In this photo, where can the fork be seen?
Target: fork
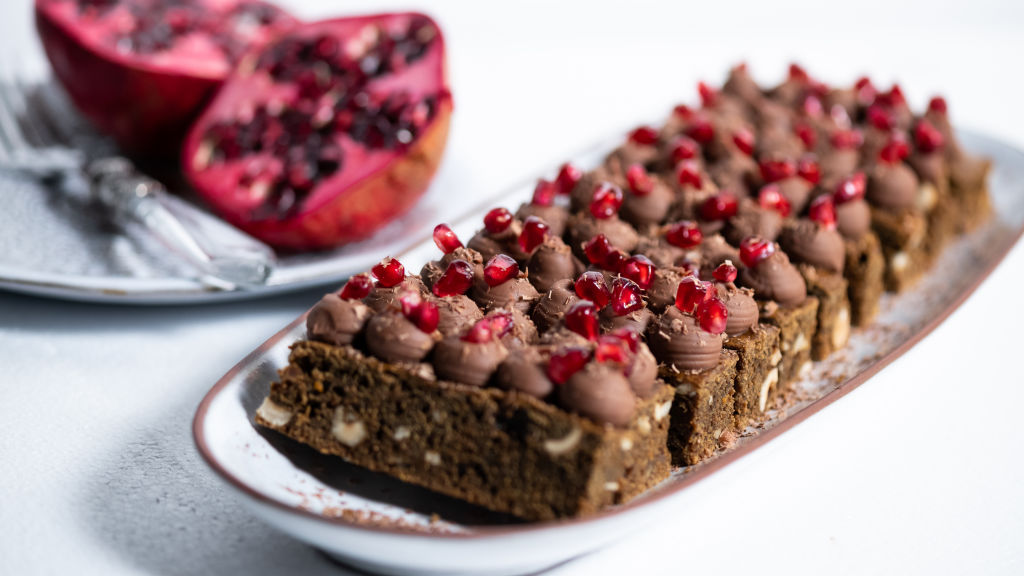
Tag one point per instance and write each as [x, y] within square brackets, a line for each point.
[36, 138]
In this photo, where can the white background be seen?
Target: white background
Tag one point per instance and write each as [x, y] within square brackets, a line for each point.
[917, 471]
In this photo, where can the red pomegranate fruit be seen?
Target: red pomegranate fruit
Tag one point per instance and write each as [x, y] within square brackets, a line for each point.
[141, 70]
[326, 133]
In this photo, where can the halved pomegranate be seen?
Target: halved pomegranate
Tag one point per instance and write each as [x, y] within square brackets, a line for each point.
[141, 70]
[326, 133]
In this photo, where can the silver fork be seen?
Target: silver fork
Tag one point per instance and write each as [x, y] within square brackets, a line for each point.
[35, 138]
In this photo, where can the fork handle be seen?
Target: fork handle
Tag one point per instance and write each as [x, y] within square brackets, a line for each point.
[225, 257]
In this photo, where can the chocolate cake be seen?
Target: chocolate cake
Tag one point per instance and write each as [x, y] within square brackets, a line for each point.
[639, 314]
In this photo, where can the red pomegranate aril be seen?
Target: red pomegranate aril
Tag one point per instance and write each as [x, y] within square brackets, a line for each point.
[597, 249]
[565, 362]
[938, 104]
[744, 140]
[479, 333]
[628, 336]
[708, 95]
[457, 278]
[501, 322]
[712, 315]
[866, 92]
[420, 312]
[812, 106]
[568, 177]
[806, 134]
[500, 269]
[644, 135]
[389, 272]
[691, 292]
[823, 211]
[701, 130]
[611, 350]
[357, 287]
[850, 188]
[614, 260]
[807, 168]
[684, 234]
[626, 296]
[497, 220]
[534, 232]
[879, 117]
[770, 198]
[682, 111]
[605, 201]
[591, 286]
[777, 169]
[927, 138]
[798, 74]
[725, 272]
[582, 319]
[446, 239]
[544, 193]
[754, 249]
[640, 182]
[721, 206]
[688, 174]
[684, 148]
[895, 150]
[639, 269]
[850, 139]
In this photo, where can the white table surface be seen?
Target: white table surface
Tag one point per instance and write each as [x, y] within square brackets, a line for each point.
[917, 471]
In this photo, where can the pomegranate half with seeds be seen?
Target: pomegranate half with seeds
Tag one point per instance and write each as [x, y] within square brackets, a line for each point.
[327, 132]
[141, 70]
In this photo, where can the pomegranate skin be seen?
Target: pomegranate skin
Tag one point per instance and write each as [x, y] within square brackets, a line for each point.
[353, 203]
[145, 107]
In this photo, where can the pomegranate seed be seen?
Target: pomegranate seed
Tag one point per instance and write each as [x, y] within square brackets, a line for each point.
[798, 74]
[927, 138]
[613, 262]
[500, 269]
[684, 234]
[639, 269]
[895, 150]
[682, 111]
[866, 91]
[611, 350]
[896, 97]
[501, 322]
[812, 106]
[937, 104]
[640, 182]
[544, 193]
[420, 312]
[770, 198]
[879, 117]
[533, 234]
[840, 117]
[565, 362]
[582, 319]
[591, 286]
[497, 220]
[721, 206]
[850, 189]
[568, 177]
[457, 278]
[807, 168]
[701, 130]
[708, 95]
[357, 287]
[684, 148]
[775, 170]
[725, 272]
[626, 296]
[446, 239]
[627, 336]
[806, 134]
[688, 174]
[606, 200]
[744, 140]
[691, 292]
[601, 253]
[712, 315]
[388, 272]
[847, 139]
[644, 135]
[754, 249]
[823, 211]
[479, 333]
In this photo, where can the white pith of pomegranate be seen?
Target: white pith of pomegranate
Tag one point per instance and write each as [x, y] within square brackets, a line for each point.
[142, 69]
[326, 133]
